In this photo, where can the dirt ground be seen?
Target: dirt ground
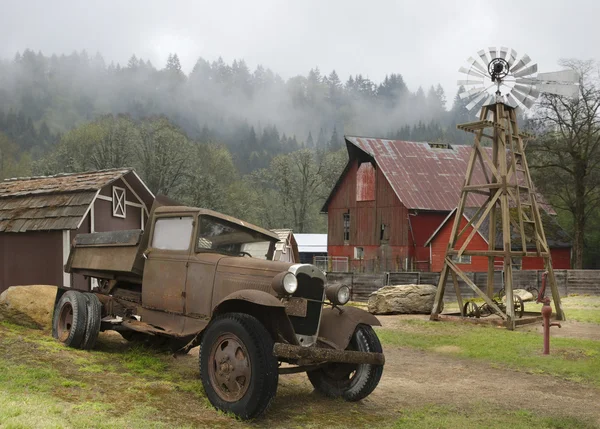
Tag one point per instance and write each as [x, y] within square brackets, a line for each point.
[413, 378]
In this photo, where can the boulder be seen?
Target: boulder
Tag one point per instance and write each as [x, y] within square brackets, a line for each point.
[524, 294]
[30, 306]
[403, 299]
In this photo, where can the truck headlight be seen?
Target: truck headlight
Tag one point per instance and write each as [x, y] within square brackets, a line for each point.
[338, 294]
[285, 283]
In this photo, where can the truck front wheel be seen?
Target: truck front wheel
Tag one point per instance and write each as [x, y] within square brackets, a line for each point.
[351, 382]
[237, 366]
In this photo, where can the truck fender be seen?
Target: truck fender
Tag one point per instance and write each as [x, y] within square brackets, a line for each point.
[339, 326]
[269, 310]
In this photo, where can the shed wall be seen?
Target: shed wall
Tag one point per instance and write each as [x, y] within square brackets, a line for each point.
[31, 258]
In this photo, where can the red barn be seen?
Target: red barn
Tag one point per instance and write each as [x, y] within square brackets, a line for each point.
[558, 241]
[390, 199]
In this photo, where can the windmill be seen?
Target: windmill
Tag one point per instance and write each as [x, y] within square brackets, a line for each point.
[500, 82]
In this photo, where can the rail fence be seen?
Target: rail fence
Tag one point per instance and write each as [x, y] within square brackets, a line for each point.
[582, 282]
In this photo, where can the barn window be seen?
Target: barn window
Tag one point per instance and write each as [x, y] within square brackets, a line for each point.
[462, 259]
[173, 233]
[346, 226]
[359, 253]
[118, 202]
[365, 182]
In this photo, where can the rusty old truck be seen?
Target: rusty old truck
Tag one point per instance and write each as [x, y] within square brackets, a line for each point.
[196, 277]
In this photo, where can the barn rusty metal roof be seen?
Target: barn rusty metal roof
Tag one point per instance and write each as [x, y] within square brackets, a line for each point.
[424, 176]
[46, 203]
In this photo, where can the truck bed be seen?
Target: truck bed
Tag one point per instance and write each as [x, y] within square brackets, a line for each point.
[107, 255]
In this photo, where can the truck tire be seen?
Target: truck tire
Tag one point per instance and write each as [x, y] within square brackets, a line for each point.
[351, 382]
[92, 325]
[237, 367]
[69, 320]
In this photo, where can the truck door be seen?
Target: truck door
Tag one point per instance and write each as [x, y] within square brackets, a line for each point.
[165, 270]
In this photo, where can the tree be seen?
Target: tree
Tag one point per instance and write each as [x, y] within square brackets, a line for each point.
[173, 63]
[295, 185]
[566, 156]
[163, 155]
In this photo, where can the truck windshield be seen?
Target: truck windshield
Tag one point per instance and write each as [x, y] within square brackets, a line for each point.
[219, 235]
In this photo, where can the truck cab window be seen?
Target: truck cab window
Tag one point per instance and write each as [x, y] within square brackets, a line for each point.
[173, 233]
[223, 236]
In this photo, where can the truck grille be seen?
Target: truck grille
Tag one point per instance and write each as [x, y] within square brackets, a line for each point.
[310, 288]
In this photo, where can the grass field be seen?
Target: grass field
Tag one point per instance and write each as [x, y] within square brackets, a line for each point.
[46, 385]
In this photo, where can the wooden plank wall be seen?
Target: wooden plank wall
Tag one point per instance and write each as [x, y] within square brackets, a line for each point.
[582, 282]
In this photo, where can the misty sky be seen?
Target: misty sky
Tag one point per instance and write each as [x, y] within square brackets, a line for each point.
[425, 41]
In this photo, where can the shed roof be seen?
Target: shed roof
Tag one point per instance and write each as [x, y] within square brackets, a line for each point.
[56, 202]
[311, 243]
[555, 235]
[425, 176]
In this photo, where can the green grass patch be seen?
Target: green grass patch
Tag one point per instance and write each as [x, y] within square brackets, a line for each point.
[437, 417]
[573, 359]
[584, 315]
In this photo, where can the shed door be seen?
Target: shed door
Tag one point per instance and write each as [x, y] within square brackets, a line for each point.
[165, 270]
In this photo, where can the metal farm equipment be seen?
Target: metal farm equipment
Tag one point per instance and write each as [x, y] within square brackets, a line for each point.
[471, 309]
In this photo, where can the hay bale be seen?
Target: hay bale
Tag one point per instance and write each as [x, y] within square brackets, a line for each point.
[30, 306]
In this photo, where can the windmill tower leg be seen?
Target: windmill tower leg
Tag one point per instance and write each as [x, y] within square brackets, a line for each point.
[511, 202]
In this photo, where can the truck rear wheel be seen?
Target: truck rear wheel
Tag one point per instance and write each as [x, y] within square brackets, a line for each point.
[237, 366]
[69, 320]
[349, 381]
[92, 325]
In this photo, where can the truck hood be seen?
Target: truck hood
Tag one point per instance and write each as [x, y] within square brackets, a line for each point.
[239, 273]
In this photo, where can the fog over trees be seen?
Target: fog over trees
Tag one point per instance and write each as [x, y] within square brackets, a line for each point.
[251, 144]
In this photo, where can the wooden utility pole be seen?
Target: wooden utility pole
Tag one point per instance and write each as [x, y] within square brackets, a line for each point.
[510, 203]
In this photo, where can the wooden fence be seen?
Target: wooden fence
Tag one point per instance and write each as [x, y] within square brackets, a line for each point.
[582, 282]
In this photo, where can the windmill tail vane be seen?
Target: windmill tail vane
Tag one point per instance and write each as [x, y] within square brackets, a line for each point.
[501, 75]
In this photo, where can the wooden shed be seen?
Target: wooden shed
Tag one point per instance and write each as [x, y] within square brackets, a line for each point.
[40, 215]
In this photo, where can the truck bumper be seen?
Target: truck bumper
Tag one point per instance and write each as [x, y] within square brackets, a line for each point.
[321, 354]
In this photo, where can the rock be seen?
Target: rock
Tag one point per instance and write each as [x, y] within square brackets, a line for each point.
[30, 306]
[403, 299]
[525, 295]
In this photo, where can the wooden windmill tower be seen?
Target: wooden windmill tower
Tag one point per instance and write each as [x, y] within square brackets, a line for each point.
[502, 189]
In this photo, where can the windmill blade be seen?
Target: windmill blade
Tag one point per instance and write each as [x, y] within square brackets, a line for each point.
[484, 56]
[560, 76]
[522, 63]
[469, 82]
[476, 100]
[503, 52]
[493, 53]
[526, 71]
[527, 90]
[512, 58]
[471, 92]
[522, 98]
[527, 80]
[475, 63]
[470, 72]
[488, 100]
[558, 89]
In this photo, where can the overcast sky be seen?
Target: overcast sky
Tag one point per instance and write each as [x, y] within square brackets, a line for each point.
[425, 41]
